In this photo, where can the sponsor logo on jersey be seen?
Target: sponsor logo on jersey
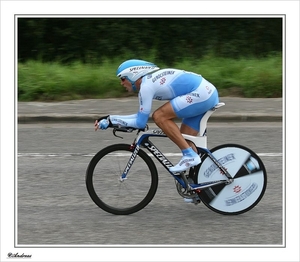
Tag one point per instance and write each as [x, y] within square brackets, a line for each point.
[195, 95]
[208, 89]
[162, 81]
[189, 99]
[168, 72]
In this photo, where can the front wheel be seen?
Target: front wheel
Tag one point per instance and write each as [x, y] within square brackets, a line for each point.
[116, 196]
[248, 187]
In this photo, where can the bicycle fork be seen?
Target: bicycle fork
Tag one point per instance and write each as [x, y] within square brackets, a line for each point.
[130, 162]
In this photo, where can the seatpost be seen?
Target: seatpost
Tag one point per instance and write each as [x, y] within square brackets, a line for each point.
[203, 122]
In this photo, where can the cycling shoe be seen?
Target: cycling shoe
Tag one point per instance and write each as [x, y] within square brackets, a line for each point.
[185, 163]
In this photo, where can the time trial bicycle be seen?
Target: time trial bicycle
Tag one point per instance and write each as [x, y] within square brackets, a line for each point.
[123, 179]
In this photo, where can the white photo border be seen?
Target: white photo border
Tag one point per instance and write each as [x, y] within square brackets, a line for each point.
[11, 9]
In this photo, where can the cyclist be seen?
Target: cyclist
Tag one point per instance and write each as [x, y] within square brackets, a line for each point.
[189, 97]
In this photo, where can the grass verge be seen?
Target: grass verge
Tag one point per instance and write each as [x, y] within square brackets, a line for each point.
[243, 77]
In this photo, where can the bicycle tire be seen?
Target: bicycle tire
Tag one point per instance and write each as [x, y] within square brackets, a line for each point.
[121, 197]
[248, 186]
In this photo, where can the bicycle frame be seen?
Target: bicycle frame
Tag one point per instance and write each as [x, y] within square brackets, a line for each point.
[200, 142]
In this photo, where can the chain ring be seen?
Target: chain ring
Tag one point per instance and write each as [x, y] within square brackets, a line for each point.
[183, 191]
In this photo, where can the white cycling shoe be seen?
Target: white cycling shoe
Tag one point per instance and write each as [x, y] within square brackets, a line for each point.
[185, 163]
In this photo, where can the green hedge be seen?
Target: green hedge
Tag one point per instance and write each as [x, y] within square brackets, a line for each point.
[233, 77]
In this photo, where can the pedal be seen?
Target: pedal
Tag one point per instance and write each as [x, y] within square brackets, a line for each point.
[195, 200]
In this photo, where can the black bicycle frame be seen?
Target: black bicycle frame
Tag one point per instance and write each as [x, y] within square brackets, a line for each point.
[166, 163]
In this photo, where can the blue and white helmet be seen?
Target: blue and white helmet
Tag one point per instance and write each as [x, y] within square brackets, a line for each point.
[134, 69]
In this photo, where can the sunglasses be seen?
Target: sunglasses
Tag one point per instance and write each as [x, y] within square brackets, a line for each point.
[123, 79]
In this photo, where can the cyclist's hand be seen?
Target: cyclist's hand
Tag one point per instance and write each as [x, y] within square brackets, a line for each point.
[102, 123]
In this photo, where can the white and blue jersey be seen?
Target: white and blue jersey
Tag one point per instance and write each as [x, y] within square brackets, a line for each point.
[191, 96]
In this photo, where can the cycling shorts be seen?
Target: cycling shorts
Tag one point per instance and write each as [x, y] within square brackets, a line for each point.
[192, 106]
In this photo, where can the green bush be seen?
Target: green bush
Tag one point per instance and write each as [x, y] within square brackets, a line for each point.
[248, 77]
[245, 77]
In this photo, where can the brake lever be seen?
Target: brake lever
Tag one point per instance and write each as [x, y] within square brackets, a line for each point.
[120, 129]
[114, 132]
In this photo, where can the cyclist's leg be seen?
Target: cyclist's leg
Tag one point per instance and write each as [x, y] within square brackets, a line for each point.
[186, 106]
[186, 129]
[199, 103]
[192, 107]
[163, 117]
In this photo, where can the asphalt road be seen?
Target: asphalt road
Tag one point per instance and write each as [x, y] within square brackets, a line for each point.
[54, 207]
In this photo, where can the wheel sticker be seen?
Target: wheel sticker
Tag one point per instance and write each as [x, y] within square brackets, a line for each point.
[237, 189]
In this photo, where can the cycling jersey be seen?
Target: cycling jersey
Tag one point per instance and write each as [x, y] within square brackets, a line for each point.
[190, 94]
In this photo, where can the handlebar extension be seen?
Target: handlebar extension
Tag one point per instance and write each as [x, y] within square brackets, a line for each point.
[126, 129]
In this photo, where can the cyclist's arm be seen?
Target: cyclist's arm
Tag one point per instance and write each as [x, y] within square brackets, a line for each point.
[140, 119]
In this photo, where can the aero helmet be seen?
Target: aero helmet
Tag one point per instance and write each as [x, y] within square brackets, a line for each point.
[134, 69]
